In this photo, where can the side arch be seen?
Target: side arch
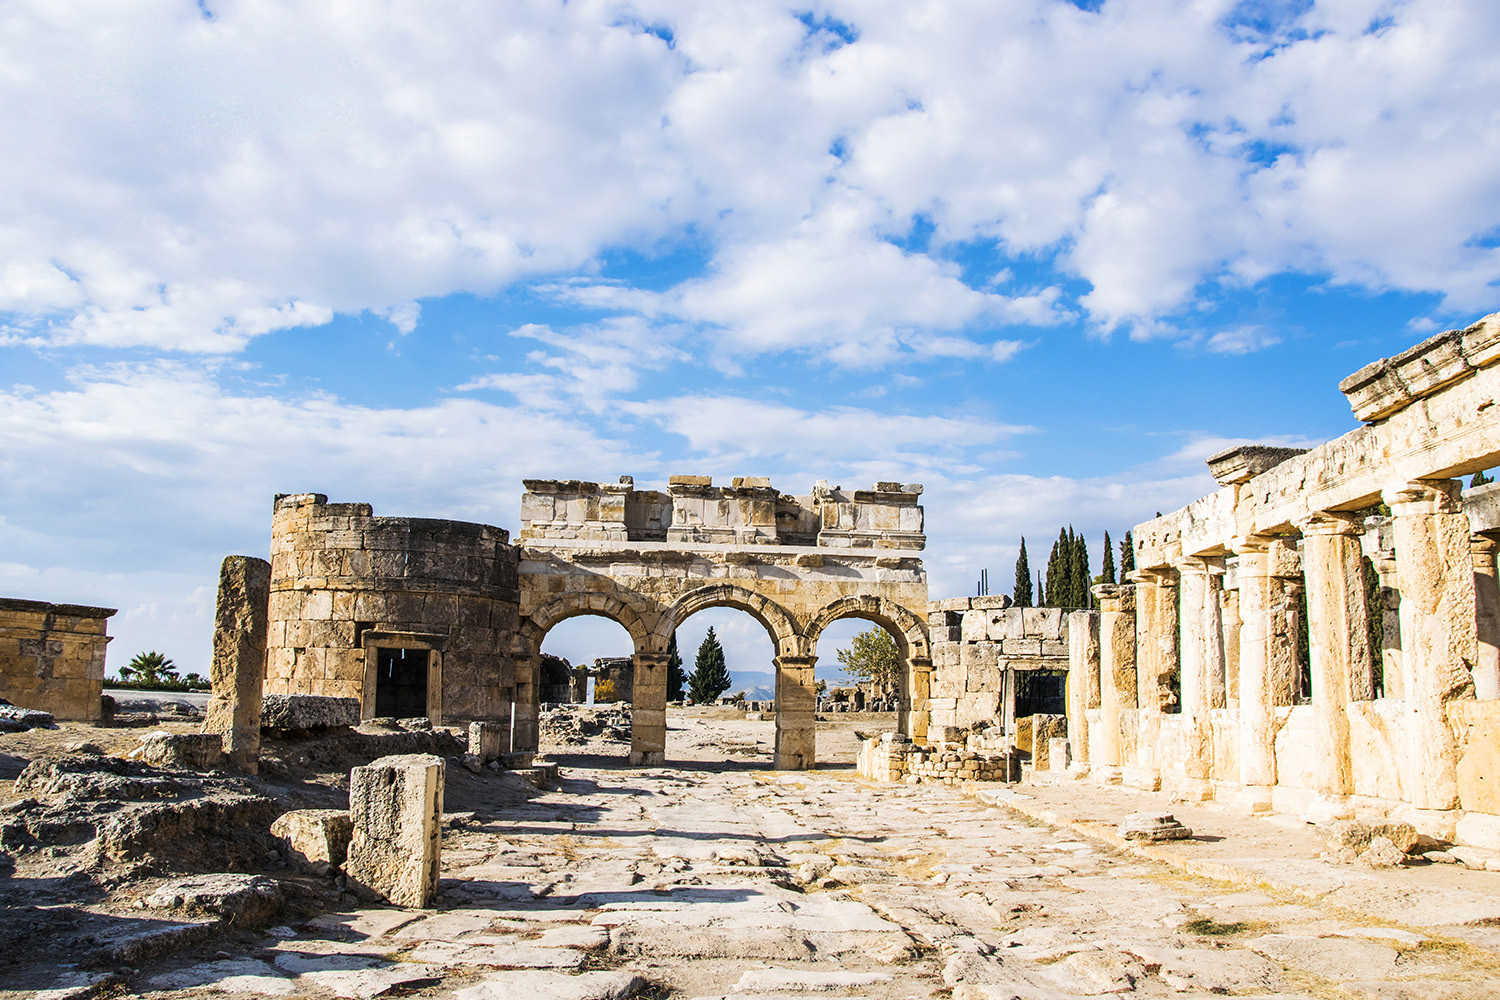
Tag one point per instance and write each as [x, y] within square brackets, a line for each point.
[785, 636]
[535, 628]
[910, 629]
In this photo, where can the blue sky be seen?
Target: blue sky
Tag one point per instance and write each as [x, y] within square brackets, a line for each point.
[1040, 256]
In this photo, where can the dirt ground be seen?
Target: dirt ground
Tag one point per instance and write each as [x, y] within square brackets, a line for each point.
[716, 877]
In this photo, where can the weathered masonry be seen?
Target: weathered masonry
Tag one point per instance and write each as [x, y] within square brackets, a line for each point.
[419, 617]
[649, 559]
[1322, 634]
[52, 657]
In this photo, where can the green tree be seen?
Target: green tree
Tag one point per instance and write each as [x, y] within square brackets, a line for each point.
[149, 668]
[675, 677]
[1127, 558]
[710, 677]
[872, 656]
[1041, 594]
[1058, 584]
[1083, 595]
[1107, 570]
[1021, 593]
[1480, 479]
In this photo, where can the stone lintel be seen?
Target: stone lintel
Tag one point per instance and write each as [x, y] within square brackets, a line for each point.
[1390, 384]
[689, 481]
[45, 608]
[1244, 462]
[1482, 505]
[552, 486]
[416, 640]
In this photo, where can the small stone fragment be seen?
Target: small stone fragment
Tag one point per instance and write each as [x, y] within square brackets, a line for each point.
[1153, 826]
[316, 839]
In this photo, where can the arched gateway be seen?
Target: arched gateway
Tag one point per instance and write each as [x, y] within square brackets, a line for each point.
[649, 559]
[442, 619]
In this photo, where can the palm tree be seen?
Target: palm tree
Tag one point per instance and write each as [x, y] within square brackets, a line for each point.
[149, 668]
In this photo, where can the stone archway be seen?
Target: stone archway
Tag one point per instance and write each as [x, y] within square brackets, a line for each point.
[910, 633]
[655, 558]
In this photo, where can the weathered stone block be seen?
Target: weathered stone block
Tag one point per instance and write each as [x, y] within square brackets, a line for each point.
[316, 839]
[238, 670]
[307, 711]
[489, 740]
[1153, 826]
[189, 751]
[396, 808]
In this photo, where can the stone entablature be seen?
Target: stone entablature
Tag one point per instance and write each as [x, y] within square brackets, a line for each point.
[52, 656]
[346, 584]
[750, 511]
[1240, 661]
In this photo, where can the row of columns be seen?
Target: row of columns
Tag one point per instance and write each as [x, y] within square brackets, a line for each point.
[1176, 622]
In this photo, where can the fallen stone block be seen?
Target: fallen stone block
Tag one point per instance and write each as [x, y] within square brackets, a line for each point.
[1383, 854]
[1356, 836]
[316, 839]
[1153, 826]
[488, 740]
[186, 751]
[304, 712]
[396, 807]
[231, 898]
[14, 719]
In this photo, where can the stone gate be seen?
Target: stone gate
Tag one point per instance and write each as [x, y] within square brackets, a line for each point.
[648, 560]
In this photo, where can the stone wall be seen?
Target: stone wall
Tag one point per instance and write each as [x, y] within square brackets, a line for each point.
[892, 757]
[1321, 635]
[345, 583]
[52, 657]
[977, 645]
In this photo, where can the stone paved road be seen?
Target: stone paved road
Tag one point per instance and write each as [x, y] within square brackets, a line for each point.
[702, 883]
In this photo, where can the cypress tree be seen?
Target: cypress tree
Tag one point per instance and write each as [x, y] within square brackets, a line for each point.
[1021, 593]
[1082, 581]
[1041, 593]
[710, 677]
[1057, 571]
[675, 677]
[1480, 479]
[1127, 557]
[1107, 570]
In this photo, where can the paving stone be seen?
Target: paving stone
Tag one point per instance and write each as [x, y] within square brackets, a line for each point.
[1332, 958]
[555, 986]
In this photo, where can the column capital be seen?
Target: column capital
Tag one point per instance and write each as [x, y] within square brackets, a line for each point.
[1249, 545]
[1485, 543]
[1156, 577]
[1114, 596]
[791, 660]
[651, 659]
[1424, 496]
[1327, 522]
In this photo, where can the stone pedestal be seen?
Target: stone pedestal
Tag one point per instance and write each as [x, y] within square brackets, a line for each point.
[1083, 680]
[237, 672]
[1339, 649]
[648, 712]
[796, 722]
[1439, 642]
[489, 740]
[1117, 671]
[396, 810]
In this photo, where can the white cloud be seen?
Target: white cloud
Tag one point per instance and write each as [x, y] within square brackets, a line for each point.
[1242, 340]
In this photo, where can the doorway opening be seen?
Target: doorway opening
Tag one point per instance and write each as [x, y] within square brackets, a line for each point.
[401, 682]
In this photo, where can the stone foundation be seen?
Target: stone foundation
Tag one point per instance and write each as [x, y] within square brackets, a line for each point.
[52, 657]
[890, 758]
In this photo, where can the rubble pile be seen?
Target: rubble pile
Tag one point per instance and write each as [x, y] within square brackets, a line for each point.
[574, 725]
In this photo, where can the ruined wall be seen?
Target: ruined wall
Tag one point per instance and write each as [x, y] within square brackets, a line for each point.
[345, 583]
[1322, 634]
[52, 657]
[975, 641]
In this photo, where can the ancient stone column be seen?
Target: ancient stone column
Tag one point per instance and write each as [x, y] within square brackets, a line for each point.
[1339, 650]
[1202, 669]
[916, 688]
[1117, 680]
[1257, 732]
[648, 711]
[238, 671]
[1083, 679]
[526, 719]
[1156, 662]
[1439, 641]
[396, 810]
[1487, 615]
[796, 722]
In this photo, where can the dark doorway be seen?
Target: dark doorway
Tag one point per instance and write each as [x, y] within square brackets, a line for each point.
[1041, 692]
[401, 683]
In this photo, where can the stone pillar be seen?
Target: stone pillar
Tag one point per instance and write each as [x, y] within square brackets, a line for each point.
[1083, 680]
[916, 688]
[238, 670]
[796, 721]
[1487, 615]
[1156, 662]
[1201, 658]
[396, 809]
[1282, 598]
[1439, 640]
[1338, 650]
[1117, 681]
[648, 711]
[526, 720]
[1257, 729]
